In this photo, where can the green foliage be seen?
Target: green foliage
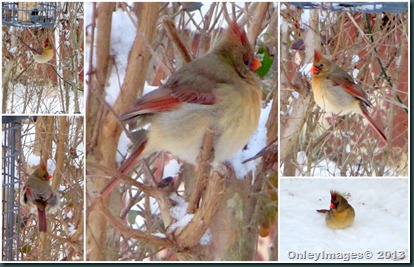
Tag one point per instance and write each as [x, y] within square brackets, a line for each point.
[266, 60]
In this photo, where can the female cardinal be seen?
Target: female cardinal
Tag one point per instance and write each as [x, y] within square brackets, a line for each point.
[340, 214]
[218, 90]
[39, 193]
[335, 91]
[43, 54]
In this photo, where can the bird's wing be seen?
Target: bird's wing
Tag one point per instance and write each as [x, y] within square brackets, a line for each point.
[37, 192]
[341, 77]
[180, 88]
[323, 211]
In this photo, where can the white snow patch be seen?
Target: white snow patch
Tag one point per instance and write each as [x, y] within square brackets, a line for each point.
[355, 59]
[40, 100]
[181, 223]
[33, 160]
[355, 73]
[123, 145]
[148, 88]
[13, 50]
[70, 214]
[180, 209]
[122, 37]
[161, 235]
[348, 148]
[206, 238]
[322, 168]
[305, 69]
[171, 169]
[71, 229]
[295, 95]
[381, 223]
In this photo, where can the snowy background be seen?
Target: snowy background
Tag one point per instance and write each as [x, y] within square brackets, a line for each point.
[381, 222]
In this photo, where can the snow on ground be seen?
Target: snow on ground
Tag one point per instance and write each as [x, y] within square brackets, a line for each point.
[380, 227]
[36, 101]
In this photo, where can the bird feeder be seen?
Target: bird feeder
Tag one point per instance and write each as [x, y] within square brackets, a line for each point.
[29, 14]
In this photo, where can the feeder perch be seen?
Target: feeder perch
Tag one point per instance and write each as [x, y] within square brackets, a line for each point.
[29, 14]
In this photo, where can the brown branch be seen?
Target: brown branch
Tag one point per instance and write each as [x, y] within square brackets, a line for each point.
[272, 123]
[62, 137]
[132, 233]
[191, 234]
[128, 180]
[205, 157]
[42, 246]
[152, 191]
[257, 21]
[175, 37]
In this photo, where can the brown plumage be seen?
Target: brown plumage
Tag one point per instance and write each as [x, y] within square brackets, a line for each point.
[217, 90]
[341, 214]
[335, 91]
[41, 55]
[39, 193]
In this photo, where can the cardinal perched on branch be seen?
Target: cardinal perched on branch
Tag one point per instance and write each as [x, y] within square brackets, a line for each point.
[219, 91]
[43, 54]
[37, 192]
[341, 214]
[335, 91]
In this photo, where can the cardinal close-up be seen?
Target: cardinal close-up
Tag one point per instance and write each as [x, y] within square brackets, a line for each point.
[218, 90]
[38, 192]
[335, 91]
[43, 54]
[340, 214]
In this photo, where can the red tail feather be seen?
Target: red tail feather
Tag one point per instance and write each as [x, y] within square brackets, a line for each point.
[374, 125]
[42, 220]
[126, 167]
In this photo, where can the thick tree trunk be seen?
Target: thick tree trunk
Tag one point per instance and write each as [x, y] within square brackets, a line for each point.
[104, 129]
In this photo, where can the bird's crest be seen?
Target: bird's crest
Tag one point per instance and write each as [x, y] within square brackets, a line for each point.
[46, 43]
[42, 166]
[317, 56]
[333, 195]
[239, 32]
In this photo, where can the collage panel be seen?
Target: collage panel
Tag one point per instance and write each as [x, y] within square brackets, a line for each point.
[174, 154]
[344, 89]
[200, 183]
[42, 59]
[344, 220]
[42, 188]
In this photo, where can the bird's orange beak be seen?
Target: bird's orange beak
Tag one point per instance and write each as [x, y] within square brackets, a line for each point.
[49, 177]
[255, 64]
[314, 70]
[333, 206]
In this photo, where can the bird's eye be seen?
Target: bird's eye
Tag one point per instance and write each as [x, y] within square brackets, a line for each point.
[247, 62]
[320, 65]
